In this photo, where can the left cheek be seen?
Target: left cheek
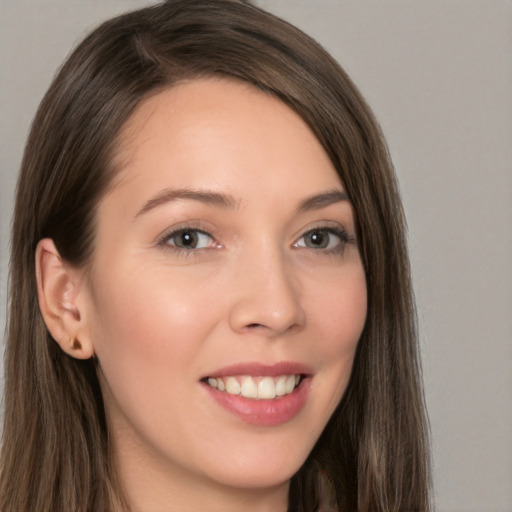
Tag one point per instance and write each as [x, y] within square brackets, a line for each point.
[343, 315]
[332, 381]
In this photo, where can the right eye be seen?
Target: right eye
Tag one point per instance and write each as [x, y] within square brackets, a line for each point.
[188, 239]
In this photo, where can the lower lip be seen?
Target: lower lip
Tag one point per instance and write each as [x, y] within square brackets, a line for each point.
[264, 413]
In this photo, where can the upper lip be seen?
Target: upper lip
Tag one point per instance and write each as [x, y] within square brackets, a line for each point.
[257, 369]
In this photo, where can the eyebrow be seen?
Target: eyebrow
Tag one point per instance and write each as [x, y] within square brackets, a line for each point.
[319, 201]
[223, 200]
[203, 196]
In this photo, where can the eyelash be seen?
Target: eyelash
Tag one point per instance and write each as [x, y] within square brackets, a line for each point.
[166, 237]
[344, 239]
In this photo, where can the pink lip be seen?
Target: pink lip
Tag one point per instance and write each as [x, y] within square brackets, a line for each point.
[263, 370]
[264, 413]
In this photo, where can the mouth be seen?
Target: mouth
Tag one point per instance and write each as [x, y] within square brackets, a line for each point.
[256, 387]
[265, 395]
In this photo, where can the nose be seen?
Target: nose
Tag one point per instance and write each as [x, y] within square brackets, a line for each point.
[267, 297]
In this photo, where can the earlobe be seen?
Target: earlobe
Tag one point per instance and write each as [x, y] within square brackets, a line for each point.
[58, 291]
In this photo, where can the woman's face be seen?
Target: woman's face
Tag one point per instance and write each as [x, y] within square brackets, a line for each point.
[226, 295]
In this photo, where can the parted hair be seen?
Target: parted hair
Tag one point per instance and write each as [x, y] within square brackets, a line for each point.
[56, 447]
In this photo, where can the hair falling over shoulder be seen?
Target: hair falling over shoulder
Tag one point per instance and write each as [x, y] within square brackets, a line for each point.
[56, 451]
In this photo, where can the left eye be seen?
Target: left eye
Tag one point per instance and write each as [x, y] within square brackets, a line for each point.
[325, 239]
[189, 239]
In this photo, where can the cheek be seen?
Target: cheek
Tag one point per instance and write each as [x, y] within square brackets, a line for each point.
[341, 312]
[340, 319]
[148, 330]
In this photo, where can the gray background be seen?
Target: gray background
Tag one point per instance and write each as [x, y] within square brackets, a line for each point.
[439, 77]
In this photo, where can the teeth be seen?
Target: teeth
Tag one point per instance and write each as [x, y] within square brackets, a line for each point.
[267, 388]
[289, 385]
[256, 387]
[232, 386]
[280, 386]
[249, 388]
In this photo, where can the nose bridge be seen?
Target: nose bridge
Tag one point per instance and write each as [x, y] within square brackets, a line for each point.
[267, 294]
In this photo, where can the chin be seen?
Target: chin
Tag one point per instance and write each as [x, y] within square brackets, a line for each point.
[259, 470]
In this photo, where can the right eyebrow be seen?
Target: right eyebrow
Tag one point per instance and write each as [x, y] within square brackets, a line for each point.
[203, 196]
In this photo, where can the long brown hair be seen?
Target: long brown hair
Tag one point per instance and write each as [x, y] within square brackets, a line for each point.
[56, 449]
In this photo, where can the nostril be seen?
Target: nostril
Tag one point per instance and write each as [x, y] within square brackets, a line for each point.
[254, 326]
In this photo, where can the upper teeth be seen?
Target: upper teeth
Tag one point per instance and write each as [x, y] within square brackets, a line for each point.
[256, 387]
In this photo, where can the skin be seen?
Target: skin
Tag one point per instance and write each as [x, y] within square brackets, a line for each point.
[256, 289]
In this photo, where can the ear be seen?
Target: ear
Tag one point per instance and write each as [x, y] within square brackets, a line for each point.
[59, 289]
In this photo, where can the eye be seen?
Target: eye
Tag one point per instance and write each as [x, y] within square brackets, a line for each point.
[326, 239]
[189, 239]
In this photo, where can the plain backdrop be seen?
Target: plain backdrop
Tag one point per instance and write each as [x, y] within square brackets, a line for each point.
[438, 75]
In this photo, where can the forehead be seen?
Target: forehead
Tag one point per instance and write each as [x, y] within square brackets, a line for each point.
[219, 132]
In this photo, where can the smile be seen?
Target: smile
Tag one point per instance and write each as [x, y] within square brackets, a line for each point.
[264, 395]
[258, 388]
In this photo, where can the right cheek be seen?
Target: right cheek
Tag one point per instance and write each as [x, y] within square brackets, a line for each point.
[151, 317]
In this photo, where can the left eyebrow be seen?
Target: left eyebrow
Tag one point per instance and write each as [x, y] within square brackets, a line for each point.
[322, 200]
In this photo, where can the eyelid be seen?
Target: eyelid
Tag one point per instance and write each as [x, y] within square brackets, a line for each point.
[332, 228]
[327, 225]
[163, 239]
[340, 233]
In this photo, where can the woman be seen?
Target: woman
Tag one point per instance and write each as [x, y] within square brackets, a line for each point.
[210, 293]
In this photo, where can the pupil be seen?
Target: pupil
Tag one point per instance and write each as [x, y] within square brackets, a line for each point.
[188, 239]
[318, 238]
